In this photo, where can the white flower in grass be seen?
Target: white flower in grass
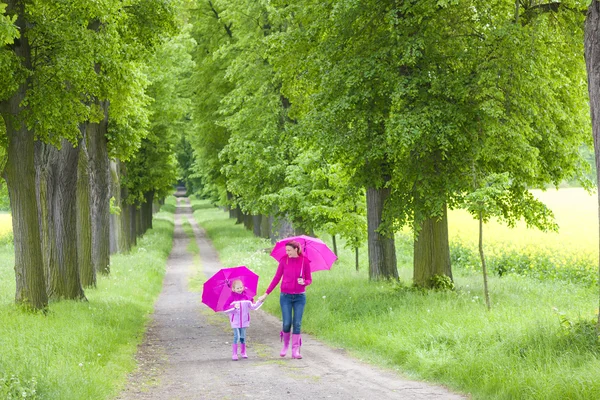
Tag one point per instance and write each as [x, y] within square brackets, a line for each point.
[324, 297]
[99, 355]
[81, 364]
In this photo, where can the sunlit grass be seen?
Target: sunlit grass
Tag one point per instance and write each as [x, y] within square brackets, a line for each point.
[534, 344]
[83, 350]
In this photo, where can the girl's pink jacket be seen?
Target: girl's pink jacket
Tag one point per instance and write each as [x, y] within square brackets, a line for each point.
[240, 317]
[290, 269]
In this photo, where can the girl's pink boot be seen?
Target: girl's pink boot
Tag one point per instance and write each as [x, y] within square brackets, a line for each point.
[234, 355]
[243, 353]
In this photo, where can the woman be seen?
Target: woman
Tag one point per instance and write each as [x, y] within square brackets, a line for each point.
[294, 273]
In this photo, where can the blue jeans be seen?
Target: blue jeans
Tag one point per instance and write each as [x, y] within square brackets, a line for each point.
[292, 308]
[239, 335]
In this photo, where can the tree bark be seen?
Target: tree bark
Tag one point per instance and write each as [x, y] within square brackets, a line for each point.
[99, 183]
[432, 251]
[382, 250]
[334, 242]
[132, 225]
[56, 178]
[592, 61]
[64, 215]
[249, 222]
[265, 226]
[256, 226]
[45, 182]
[115, 219]
[19, 174]
[84, 219]
[147, 211]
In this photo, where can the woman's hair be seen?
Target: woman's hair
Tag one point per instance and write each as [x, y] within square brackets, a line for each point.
[295, 245]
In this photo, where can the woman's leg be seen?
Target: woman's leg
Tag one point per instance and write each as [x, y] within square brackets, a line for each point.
[285, 301]
[298, 303]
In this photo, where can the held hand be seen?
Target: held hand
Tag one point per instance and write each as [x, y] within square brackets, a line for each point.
[301, 281]
[237, 305]
[263, 297]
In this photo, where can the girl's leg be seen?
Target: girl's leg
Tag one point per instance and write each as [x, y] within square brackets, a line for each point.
[298, 303]
[285, 301]
[234, 345]
[243, 342]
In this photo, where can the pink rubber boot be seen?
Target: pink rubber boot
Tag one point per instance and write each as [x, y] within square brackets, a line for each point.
[296, 344]
[234, 356]
[285, 337]
[244, 355]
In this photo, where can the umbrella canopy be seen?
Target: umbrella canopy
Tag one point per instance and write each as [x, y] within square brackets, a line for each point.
[217, 289]
[315, 250]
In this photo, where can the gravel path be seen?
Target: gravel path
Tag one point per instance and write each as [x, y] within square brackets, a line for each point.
[186, 353]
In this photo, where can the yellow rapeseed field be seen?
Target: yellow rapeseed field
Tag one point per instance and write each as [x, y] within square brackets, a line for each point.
[576, 214]
[5, 224]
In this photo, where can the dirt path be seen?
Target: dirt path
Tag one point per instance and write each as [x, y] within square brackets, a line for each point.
[187, 352]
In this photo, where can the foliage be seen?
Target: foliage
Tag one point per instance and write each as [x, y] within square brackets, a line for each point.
[153, 167]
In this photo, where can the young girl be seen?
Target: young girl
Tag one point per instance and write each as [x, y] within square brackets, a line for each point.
[239, 316]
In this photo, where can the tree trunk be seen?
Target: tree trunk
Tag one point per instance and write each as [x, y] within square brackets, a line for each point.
[249, 222]
[356, 258]
[132, 225]
[592, 61]
[432, 252]
[99, 183]
[147, 211]
[64, 215]
[138, 220]
[115, 219]
[256, 220]
[483, 265]
[84, 220]
[265, 226]
[45, 183]
[56, 181]
[19, 174]
[334, 241]
[281, 228]
[239, 215]
[382, 250]
[232, 213]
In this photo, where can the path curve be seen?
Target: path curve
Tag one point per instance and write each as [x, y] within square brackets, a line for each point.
[186, 353]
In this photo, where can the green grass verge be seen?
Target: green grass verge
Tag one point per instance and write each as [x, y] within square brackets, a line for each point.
[538, 341]
[82, 350]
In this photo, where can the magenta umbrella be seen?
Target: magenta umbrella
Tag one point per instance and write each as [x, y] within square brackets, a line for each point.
[315, 250]
[217, 289]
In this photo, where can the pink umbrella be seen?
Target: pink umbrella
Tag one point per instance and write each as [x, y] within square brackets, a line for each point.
[217, 289]
[315, 250]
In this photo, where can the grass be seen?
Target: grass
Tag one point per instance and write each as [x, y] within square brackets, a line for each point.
[537, 343]
[82, 350]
